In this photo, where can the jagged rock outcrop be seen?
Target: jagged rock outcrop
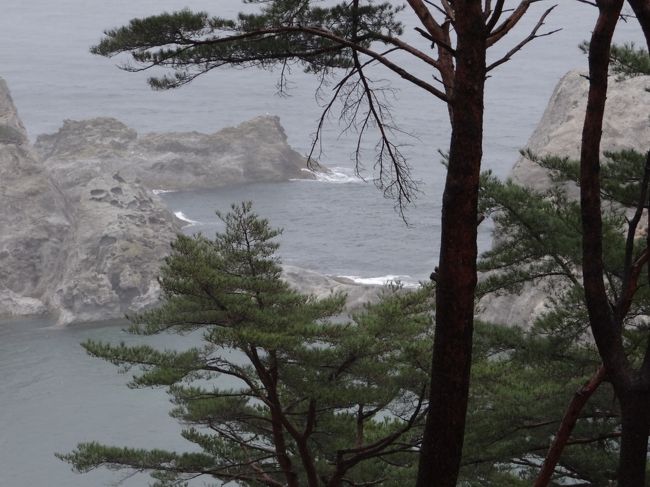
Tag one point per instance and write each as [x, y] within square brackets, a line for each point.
[626, 126]
[255, 151]
[321, 286]
[33, 219]
[82, 245]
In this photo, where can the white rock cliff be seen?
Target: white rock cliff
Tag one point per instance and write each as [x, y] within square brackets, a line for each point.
[80, 245]
[626, 126]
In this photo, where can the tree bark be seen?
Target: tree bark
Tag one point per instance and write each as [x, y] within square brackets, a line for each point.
[452, 350]
[606, 324]
[566, 427]
[605, 327]
[635, 418]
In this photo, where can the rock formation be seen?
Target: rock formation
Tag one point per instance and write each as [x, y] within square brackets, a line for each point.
[81, 245]
[255, 151]
[120, 234]
[84, 235]
[310, 282]
[33, 219]
[626, 126]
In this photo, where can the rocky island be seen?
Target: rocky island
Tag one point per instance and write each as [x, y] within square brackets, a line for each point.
[254, 151]
[84, 234]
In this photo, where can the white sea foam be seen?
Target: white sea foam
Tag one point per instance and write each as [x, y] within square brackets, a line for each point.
[336, 175]
[162, 191]
[406, 281]
[181, 216]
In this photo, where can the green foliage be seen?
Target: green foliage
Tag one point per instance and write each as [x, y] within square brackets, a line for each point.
[522, 382]
[275, 377]
[540, 233]
[193, 43]
[277, 387]
[539, 242]
[627, 60]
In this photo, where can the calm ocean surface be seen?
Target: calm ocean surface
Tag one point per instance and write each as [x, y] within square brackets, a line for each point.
[54, 396]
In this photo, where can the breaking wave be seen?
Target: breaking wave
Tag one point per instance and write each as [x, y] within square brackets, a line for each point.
[406, 281]
[181, 216]
[336, 175]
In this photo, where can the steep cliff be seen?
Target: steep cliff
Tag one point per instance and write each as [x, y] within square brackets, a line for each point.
[33, 219]
[626, 126]
[82, 245]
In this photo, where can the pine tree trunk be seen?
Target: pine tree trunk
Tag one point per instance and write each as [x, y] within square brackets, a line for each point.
[635, 417]
[308, 463]
[452, 352]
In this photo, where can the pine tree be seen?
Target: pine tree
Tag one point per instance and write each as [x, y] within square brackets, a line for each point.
[521, 382]
[280, 391]
[540, 242]
[350, 36]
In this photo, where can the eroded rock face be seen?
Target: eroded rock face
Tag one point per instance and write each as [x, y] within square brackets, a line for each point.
[84, 236]
[33, 218]
[82, 245]
[255, 151]
[626, 126]
[121, 234]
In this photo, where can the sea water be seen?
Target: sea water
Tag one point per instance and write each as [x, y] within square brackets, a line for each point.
[52, 395]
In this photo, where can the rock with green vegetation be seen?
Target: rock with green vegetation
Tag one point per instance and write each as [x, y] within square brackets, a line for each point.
[558, 134]
[625, 125]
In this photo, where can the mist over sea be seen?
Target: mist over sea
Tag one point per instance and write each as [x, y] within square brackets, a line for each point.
[54, 396]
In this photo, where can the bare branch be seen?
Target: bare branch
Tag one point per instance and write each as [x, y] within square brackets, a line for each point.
[532, 36]
[433, 28]
[507, 25]
[400, 177]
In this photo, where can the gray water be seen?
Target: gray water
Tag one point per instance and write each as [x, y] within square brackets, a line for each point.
[53, 395]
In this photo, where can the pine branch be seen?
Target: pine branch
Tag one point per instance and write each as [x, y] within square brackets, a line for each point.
[566, 427]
